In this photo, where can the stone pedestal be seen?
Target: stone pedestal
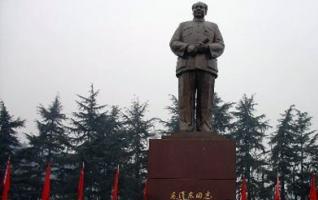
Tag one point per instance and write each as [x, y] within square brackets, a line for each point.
[191, 166]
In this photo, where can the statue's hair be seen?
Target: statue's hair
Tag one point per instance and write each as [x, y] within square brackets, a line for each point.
[200, 3]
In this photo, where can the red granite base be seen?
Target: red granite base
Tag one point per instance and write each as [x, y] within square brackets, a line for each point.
[185, 166]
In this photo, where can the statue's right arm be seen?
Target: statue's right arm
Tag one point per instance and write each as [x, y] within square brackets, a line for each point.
[177, 46]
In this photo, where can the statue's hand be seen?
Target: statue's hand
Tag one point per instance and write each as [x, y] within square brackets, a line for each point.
[203, 48]
[192, 49]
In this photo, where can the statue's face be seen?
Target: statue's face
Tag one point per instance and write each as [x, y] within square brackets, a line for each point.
[199, 11]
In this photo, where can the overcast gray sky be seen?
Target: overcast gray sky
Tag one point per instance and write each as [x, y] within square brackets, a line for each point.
[50, 47]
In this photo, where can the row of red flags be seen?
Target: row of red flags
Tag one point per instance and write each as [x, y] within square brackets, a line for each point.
[312, 193]
[115, 188]
[47, 184]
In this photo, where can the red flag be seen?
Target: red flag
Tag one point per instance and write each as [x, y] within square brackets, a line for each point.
[277, 190]
[47, 184]
[244, 189]
[115, 188]
[313, 191]
[146, 190]
[80, 188]
[6, 181]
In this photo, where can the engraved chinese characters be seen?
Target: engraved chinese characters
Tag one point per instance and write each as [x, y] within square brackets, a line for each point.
[184, 195]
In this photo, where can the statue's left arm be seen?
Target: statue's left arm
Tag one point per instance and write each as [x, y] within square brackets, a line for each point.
[217, 46]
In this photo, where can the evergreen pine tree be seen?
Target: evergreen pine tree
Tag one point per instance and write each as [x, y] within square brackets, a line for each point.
[9, 143]
[304, 147]
[99, 142]
[86, 125]
[282, 150]
[138, 130]
[109, 148]
[249, 132]
[49, 146]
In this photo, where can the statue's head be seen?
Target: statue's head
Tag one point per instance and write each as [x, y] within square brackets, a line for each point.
[199, 9]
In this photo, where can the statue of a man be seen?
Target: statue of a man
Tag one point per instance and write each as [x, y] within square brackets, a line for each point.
[197, 44]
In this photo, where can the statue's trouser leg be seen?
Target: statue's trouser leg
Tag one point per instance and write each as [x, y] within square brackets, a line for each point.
[205, 92]
[186, 100]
